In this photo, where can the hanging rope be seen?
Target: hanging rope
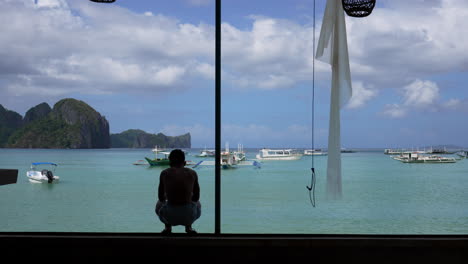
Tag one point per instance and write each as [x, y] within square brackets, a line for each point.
[312, 179]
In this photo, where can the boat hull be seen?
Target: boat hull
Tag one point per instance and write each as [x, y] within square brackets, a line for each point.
[296, 157]
[157, 162]
[37, 177]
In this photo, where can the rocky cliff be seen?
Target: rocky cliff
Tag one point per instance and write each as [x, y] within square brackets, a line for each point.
[10, 121]
[38, 112]
[70, 124]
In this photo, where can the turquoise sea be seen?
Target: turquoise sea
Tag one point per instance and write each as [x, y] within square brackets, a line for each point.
[102, 191]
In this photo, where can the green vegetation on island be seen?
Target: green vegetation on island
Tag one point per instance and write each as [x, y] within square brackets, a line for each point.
[135, 138]
[70, 124]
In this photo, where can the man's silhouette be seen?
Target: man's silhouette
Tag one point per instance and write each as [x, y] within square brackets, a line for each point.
[178, 194]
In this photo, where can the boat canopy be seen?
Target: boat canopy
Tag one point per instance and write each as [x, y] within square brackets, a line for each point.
[40, 163]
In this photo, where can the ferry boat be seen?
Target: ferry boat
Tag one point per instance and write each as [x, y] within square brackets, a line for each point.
[411, 157]
[314, 152]
[278, 154]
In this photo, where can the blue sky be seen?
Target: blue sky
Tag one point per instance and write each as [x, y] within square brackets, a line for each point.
[150, 65]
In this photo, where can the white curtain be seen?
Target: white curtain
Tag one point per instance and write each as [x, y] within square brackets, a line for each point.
[333, 49]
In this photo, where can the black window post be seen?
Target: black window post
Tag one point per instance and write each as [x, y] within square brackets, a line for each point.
[218, 120]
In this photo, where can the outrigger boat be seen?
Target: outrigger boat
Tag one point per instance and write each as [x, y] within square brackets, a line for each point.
[462, 154]
[231, 160]
[157, 161]
[409, 157]
[42, 176]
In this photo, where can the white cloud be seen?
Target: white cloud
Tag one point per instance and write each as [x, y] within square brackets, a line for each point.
[361, 95]
[75, 44]
[67, 47]
[420, 93]
[452, 103]
[51, 3]
[394, 111]
[422, 96]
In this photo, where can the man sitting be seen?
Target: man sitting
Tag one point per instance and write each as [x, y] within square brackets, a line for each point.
[178, 195]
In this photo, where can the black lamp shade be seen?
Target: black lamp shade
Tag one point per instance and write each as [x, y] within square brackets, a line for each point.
[103, 1]
[358, 8]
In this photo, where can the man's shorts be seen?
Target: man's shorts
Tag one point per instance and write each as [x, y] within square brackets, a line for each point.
[179, 214]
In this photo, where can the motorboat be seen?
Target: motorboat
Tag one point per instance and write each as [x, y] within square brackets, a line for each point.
[278, 154]
[314, 152]
[36, 175]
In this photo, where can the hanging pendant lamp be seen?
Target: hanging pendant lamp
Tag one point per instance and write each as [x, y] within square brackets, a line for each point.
[103, 1]
[358, 8]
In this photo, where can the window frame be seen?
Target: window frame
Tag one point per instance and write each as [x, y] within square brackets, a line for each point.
[453, 247]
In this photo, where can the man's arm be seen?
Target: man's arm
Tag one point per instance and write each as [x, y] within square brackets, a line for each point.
[161, 189]
[196, 189]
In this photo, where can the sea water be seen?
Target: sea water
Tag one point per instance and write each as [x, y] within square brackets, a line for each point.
[102, 191]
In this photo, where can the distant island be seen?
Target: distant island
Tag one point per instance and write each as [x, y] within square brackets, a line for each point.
[135, 138]
[74, 124]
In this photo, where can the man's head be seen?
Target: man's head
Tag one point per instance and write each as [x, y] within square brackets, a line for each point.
[177, 158]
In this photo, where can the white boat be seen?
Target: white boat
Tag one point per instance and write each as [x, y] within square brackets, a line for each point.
[230, 159]
[393, 151]
[414, 157]
[314, 152]
[206, 153]
[278, 154]
[462, 154]
[42, 176]
[240, 153]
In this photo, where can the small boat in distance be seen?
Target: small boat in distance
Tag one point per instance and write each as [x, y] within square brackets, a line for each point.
[393, 151]
[314, 152]
[412, 157]
[462, 154]
[42, 176]
[206, 153]
[343, 150]
[230, 159]
[278, 154]
[440, 151]
[141, 162]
